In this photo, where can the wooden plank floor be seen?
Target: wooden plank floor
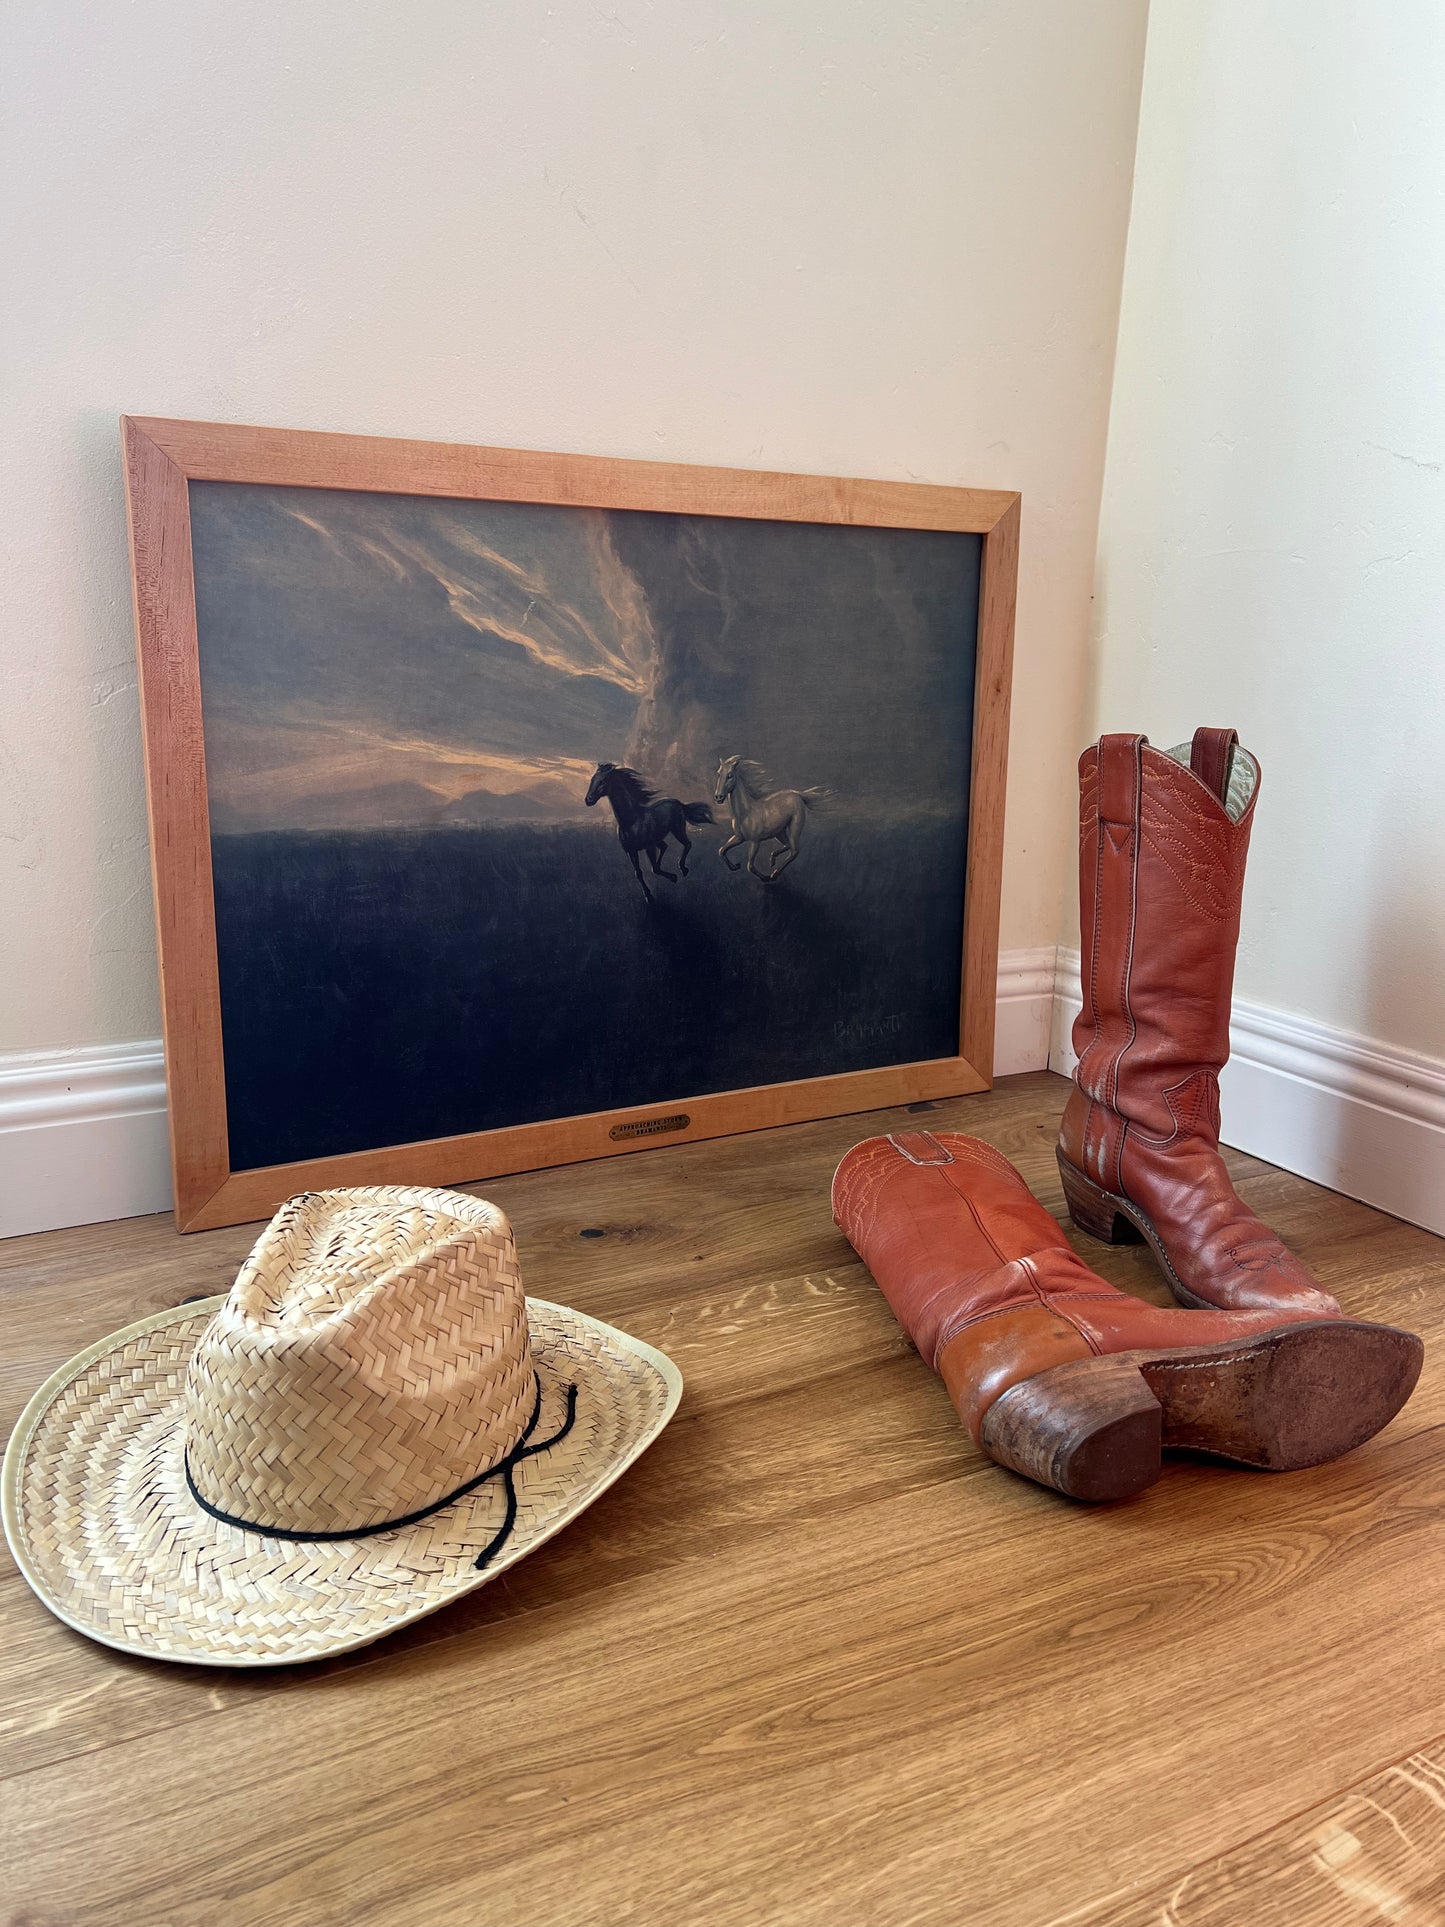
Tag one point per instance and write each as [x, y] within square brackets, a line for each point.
[814, 1659]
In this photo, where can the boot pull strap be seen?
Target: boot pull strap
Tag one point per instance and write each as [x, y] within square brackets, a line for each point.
[920, 1147]
[1211, 758]
[1119, 759]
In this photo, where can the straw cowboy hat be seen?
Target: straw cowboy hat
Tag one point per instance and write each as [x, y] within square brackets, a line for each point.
[374, 1421]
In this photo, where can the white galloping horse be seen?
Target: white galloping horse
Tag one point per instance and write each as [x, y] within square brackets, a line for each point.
[761, 816]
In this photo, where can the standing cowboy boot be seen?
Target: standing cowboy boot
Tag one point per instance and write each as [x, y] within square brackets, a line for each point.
[1162, 843]
[1070, 1382]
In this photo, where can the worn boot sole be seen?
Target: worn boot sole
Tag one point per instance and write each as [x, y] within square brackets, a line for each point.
[1295, 1396]
[1116, 1220]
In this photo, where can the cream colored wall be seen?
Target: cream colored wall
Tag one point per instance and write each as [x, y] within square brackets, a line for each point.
[1272, 545]
[878, 239]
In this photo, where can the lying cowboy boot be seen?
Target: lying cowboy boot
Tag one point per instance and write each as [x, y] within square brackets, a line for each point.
[1162, 843]
[1061, 1377]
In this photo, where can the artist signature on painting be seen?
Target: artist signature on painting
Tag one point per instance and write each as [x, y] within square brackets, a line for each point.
[867, 1030]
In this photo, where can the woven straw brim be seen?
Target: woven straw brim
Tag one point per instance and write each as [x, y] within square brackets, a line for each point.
[103, 1526]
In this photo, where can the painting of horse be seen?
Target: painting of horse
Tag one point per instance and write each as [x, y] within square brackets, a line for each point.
[415, 709]
[762, 815]
[646, 820]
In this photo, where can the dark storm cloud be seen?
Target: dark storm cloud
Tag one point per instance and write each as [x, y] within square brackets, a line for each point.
[837, 656]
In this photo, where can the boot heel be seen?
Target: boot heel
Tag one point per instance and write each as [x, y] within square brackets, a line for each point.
[1093, 1210]
[1091, 1429]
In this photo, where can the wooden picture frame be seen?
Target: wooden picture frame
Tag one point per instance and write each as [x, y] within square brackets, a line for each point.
[163, 458]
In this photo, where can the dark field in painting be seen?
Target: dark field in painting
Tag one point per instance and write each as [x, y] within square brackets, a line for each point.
[380, 986]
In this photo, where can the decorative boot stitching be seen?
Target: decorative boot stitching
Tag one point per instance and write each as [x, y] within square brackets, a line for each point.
[1208, 886]
[1112, 1091]
[1123, 841]
[1205, 856]
[1091, 999]
[1194, 1106]
[863, 1172]
[1263, 1253]
[858, 1179]
[976, 1151]
[1091, 985]
[1103, 1083]
[856, 1198]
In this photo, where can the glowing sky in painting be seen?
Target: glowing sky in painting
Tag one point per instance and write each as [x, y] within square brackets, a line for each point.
[380, 659]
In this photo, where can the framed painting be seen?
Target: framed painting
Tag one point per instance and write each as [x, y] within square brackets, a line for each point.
[511, 808]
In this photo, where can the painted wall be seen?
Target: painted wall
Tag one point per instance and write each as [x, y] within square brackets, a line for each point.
[1272, 545]
[880, 238]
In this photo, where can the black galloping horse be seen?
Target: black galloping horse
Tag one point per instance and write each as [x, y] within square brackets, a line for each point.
[645, 820]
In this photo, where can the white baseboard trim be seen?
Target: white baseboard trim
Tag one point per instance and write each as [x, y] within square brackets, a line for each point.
[1350, 1112]
[83, 1132]
[1026, 984]
[82, 1136]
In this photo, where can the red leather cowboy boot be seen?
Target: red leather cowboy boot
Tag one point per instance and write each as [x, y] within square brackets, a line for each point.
[1061, 1377]
[1162, 843]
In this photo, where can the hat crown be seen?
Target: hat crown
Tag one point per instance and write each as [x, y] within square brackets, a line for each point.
[371, 1359]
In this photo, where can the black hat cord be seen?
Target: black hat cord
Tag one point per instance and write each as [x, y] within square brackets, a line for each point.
[505, 1469]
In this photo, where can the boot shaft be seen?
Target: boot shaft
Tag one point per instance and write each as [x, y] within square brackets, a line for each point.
[1163, 839]
[1162, 842]
[945, 1224]
[961, 1249]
